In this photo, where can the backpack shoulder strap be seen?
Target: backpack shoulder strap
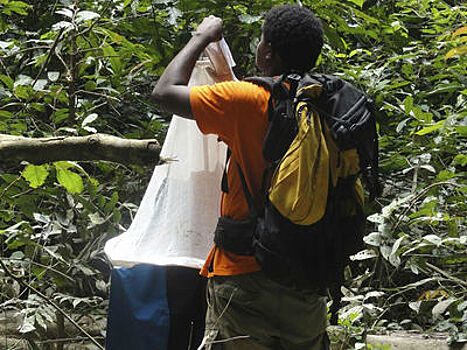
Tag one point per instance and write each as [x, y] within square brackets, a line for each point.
[275, 85]
[224, 183]
[246, 191]
[265, 82]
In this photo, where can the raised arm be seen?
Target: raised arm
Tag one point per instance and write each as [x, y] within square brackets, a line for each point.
[171, 91]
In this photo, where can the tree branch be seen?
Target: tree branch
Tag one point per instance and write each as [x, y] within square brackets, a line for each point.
[447, 275]
[14, 149]
[73, 70]
[51, 51]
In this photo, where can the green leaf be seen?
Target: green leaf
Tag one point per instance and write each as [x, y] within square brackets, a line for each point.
[359, 3]
[362, 14]
[72, 182]
[431, 128]
[115, 61]
[460, 159]
[63, 164]
[114, 37]
[333, 36]
[454, 259]
[456, 52]
[445, 175]
[396, 85]
[92, 187]
[111, 203]
[38, 107]
[5, 114]
[23, 92]
[35, 175]
[9, 83]
[116, 215]
[18, 7]
[444, 88]
[461, 130]
[407, 69]
[90, 85]
[408, 104]
[61, 115]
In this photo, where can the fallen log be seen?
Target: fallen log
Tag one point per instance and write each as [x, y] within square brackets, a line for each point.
[14, 149]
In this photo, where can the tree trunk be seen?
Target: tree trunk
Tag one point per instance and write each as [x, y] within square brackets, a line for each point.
[14, 149]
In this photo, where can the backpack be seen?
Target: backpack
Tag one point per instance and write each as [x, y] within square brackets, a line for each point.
[321, 136]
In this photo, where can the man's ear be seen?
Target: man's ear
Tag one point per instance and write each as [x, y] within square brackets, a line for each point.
[267, 52]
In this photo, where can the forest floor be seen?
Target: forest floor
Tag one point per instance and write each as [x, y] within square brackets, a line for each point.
[395, 340]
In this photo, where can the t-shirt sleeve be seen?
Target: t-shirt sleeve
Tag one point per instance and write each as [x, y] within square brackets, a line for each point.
[222, 108]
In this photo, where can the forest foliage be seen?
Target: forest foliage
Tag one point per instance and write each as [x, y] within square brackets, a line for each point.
[80, 67]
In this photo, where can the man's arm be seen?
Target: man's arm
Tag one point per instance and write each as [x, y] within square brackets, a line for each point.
[171, 91]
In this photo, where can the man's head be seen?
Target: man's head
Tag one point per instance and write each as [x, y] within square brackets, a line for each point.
[291, 40]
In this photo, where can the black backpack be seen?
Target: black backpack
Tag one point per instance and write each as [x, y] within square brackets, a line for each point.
[310, 256]
[348, 111]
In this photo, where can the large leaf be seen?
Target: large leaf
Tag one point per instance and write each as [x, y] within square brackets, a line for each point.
[35, 174]
[69, 179]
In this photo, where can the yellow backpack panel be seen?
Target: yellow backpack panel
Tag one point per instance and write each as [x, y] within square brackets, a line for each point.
[300, 184]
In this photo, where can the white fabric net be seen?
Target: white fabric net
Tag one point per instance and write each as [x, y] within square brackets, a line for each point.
[177, 216]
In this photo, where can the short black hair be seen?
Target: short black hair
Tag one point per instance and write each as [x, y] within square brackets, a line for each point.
[295, 34]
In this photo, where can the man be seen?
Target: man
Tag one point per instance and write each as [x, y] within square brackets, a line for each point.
[246, 310]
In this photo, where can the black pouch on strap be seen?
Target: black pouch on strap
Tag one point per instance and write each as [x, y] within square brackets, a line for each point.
[235, 236]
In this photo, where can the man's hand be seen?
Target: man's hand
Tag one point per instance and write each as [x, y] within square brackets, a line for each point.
[171, 91]
[210, 28]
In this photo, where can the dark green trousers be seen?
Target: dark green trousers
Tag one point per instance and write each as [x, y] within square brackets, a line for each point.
[252, 312]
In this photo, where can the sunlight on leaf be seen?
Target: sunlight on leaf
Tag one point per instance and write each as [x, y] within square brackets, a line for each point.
[35, 175]
[456, 52]
[459, 31]
[69, 179]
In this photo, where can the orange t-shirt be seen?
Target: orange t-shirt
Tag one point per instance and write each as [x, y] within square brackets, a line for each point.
[237, 113]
